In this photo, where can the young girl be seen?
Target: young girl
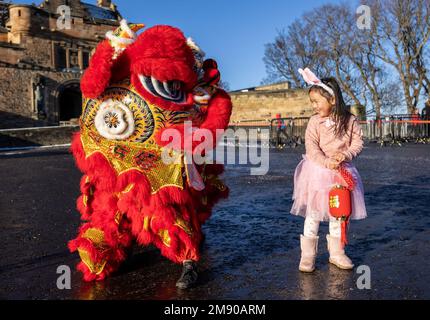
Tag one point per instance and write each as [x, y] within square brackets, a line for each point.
[333, 139]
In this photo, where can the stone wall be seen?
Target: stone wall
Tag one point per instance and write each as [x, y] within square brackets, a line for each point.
[36, 136]
[10, 53]
[274, 87]
[16, 95]
[255, 105]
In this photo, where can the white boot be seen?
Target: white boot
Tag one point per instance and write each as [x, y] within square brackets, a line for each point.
[309, 246]
[337, 254]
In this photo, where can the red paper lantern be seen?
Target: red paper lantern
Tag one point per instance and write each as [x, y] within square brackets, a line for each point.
[340, 208]
[340, 202]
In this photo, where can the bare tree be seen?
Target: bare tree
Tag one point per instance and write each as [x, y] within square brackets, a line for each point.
[316, 40]
[293, 48]
[363, 61]
[359, 48]
[224, 85]
[334, 29]
[402, 32]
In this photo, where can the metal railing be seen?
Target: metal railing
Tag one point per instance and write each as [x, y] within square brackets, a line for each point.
[393, 129]
[288, 131]
[397, 129]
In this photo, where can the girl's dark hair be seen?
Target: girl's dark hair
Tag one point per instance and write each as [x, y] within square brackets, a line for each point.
[340, 113]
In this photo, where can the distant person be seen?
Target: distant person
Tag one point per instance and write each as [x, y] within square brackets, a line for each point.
[280, 127]
[279, 121]
[333, 140]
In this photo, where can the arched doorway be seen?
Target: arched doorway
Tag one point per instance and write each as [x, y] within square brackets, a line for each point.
[69, 101]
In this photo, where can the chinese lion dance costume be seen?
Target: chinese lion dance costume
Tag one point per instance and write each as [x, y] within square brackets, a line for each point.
[136, 88]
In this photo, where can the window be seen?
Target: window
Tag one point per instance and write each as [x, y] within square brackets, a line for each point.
[85, 59]
[73, 58]
[60, 58]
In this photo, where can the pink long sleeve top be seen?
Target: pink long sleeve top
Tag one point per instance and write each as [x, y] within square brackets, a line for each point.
[322, 143]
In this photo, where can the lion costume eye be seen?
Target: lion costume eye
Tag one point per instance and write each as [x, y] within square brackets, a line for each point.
[114, 120]
[170, 91]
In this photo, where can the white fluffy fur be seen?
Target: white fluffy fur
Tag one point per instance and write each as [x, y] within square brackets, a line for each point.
[125, 117]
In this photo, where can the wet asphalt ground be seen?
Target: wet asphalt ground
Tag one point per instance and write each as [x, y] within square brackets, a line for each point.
[252, 245]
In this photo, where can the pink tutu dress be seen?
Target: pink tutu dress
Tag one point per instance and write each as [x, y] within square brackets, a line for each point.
[313, 180]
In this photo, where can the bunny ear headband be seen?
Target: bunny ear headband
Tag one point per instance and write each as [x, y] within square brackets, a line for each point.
[311, 79]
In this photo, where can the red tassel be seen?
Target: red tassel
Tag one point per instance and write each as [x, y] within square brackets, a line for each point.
[344, 236]
[347, 176]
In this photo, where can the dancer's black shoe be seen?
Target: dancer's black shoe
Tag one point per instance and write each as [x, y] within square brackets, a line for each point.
[189, 275]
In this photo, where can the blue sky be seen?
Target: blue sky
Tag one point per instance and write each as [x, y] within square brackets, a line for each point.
[233, 32]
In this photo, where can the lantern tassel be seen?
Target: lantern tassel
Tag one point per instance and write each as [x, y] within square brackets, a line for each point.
[347, 176]
[344, 230]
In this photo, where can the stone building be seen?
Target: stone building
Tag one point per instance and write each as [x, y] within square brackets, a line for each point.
[42, 57]
[265, 102]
